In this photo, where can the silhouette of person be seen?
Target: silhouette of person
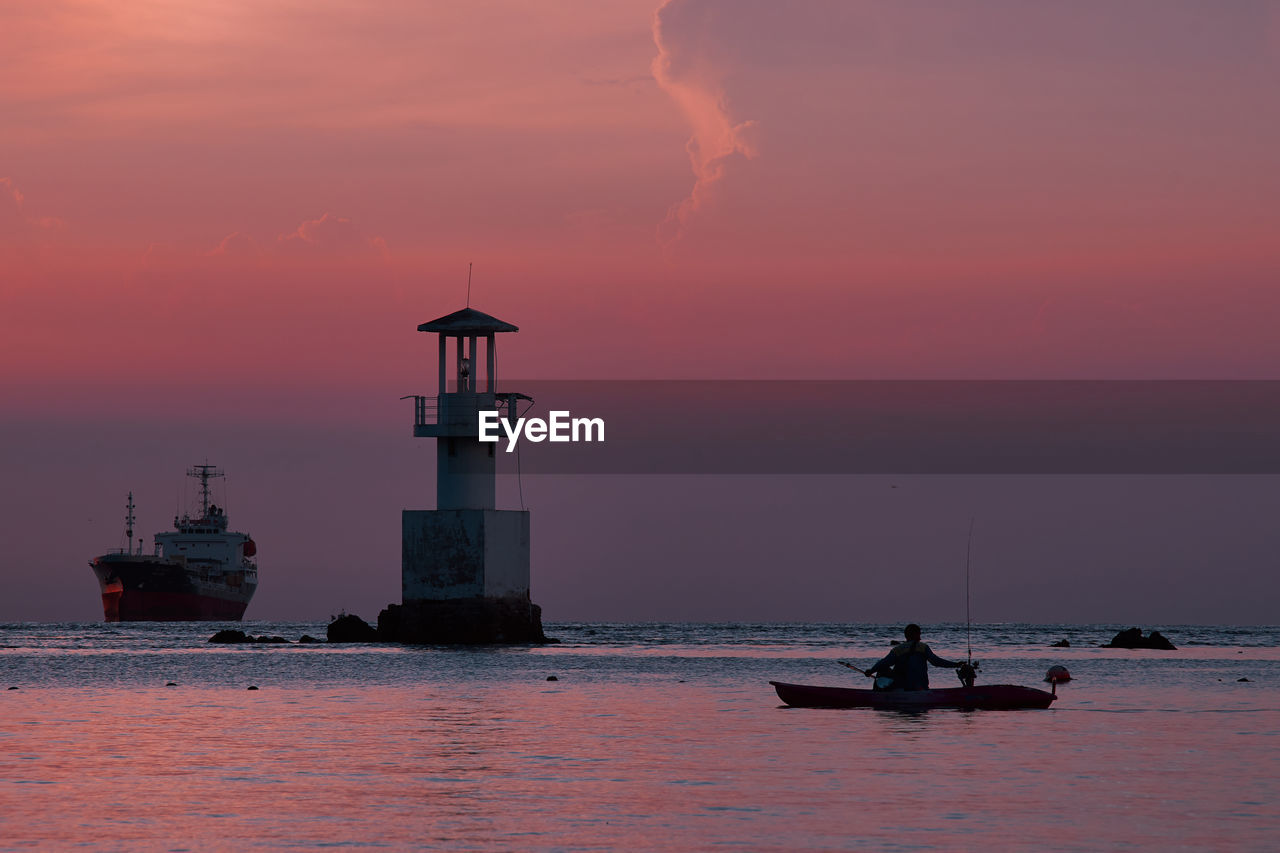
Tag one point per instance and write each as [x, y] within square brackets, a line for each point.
[908, 662]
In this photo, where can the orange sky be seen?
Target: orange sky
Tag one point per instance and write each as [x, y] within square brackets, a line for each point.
[277, 193]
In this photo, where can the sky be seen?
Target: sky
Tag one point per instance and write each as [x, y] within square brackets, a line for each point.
[221, 222]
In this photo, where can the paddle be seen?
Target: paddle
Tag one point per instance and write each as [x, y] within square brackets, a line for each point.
[855, 668]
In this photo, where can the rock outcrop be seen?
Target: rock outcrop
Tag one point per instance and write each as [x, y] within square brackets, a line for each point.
[1132, 638]
[231, 635]
[349, 628]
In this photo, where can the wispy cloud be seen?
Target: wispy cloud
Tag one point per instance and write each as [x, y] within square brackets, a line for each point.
[718, 138]
[15, 214]
[327, 236]
[13, 192]
[237, 243]
[331, 233]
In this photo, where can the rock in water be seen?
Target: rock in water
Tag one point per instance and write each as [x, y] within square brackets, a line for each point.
[472, 621]
[1131, 638]
[349, 628]
[231, 635]
[1061, 644]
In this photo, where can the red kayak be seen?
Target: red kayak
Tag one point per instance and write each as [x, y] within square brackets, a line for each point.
[986, 697]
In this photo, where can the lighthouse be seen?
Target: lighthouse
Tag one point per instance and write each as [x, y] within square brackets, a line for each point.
[465, 564]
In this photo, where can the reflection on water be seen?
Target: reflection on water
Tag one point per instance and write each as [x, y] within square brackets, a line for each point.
[663, 743]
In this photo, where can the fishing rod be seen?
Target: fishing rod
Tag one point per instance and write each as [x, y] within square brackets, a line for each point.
[968, 622]
[967, 672]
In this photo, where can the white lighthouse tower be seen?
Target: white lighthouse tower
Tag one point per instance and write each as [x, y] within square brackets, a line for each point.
[465, 564]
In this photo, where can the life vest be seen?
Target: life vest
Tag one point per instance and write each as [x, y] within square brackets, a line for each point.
[900, 666]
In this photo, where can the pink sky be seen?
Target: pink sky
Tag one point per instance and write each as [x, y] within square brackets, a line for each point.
[1021, 189]
[261, 200]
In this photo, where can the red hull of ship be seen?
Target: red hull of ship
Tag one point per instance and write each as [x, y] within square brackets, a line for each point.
[144, 589]
[138, 605]
[111, 603]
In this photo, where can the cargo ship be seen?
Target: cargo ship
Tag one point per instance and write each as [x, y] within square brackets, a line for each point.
[199, 571]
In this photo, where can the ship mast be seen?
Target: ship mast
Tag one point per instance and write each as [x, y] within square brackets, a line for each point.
[128, 523]
[205, 473]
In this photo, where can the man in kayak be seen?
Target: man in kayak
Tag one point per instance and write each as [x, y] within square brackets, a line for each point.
[908, 663]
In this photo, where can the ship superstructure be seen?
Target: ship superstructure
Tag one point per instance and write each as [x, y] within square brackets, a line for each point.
[199, 571]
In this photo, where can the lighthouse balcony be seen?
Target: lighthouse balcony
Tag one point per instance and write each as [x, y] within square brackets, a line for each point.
[457, 414]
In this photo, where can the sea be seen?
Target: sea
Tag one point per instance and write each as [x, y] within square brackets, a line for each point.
[146, 737]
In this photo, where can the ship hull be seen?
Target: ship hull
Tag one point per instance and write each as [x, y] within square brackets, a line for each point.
[142, 589]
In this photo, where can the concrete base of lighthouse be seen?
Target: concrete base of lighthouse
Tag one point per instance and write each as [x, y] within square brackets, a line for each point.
[476, 621]
[464, 579]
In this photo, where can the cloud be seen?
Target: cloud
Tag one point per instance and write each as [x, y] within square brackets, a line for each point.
[13, 192]
[237, 244]
[331, 234]
[695, 86]
[841, 93]
[14, 217]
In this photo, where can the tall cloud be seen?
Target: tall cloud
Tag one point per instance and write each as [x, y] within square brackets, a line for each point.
[718, 137]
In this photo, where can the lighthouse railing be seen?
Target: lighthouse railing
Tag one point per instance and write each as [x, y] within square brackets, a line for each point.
[457, 413]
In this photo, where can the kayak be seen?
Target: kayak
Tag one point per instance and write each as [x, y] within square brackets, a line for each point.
[986, 697]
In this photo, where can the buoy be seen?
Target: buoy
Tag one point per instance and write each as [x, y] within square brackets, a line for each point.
[1057, 674]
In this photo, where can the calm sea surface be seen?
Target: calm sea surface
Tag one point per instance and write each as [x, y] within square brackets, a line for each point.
[652, 737]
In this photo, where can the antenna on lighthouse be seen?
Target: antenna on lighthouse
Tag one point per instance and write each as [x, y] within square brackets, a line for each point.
[468, 284]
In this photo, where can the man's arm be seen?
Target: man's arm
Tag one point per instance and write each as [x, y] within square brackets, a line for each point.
[882, 667]
[937, 661]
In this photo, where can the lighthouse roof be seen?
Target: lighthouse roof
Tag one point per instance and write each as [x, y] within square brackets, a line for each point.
[468, 321]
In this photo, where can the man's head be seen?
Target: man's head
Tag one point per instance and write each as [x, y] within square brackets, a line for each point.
[911, 632]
